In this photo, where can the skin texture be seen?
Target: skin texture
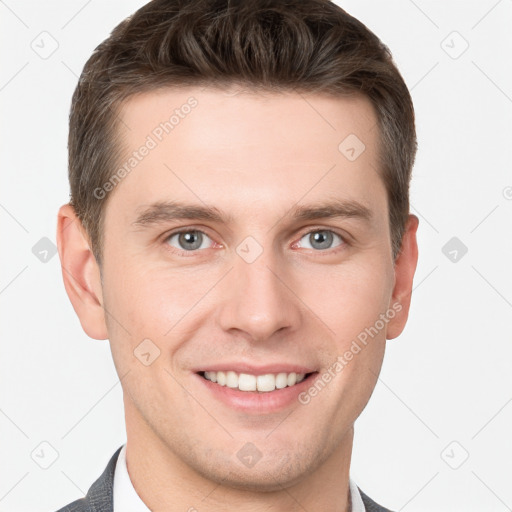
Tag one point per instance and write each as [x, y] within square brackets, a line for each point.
[253, 156]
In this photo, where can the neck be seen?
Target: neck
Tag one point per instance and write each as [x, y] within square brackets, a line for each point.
[165, 482]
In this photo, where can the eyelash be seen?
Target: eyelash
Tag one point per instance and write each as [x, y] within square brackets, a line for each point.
[179, 252]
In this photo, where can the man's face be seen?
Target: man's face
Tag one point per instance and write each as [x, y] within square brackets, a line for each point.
[259, 291]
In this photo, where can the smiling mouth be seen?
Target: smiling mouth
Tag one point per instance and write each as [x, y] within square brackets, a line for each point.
[255, 383]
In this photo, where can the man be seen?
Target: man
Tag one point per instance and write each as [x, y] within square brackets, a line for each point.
[276, 139]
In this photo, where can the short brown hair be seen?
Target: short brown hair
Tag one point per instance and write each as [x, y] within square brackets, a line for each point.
[275, 45]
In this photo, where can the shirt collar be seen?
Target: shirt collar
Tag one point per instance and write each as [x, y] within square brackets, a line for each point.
[126, 498]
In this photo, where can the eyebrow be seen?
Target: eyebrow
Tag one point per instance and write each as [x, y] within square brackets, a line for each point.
[165, 211]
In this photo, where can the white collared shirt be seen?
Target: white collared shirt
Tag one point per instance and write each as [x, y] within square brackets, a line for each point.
[126, 498]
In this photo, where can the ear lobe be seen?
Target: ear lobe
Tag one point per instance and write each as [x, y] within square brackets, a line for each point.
[405, 267]
[80, 273]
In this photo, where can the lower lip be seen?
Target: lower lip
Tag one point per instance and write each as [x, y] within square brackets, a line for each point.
[255, 401]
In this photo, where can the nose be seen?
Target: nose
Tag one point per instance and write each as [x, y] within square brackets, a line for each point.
[258, 298]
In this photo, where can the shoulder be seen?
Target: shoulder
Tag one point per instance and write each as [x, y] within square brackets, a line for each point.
[370, 505]
[99, 496]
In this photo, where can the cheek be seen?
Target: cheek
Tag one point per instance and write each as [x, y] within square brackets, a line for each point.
[145, 300]
[350, 300]
[361, 331]
[138, 307]
[154, 304]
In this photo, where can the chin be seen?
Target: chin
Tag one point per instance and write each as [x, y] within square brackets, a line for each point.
[267, 475]
[257, 480]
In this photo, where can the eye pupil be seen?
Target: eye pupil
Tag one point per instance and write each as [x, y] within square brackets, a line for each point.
[323, 238]
[189, 240]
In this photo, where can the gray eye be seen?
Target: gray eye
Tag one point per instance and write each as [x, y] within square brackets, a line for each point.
[190, 240]
[320, 239]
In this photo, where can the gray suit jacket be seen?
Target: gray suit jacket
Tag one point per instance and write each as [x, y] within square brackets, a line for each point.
[99, 498]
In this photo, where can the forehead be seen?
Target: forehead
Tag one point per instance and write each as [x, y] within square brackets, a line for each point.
[227, 146]
[240, 119]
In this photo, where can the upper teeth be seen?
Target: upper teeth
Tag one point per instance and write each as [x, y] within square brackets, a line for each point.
[247, 382]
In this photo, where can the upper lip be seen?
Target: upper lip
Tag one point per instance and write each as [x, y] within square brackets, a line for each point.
[252, 369]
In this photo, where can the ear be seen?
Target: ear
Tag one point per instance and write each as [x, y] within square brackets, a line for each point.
[405, 267]
[80, 273]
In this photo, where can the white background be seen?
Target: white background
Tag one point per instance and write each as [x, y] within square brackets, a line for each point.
[447, 378]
